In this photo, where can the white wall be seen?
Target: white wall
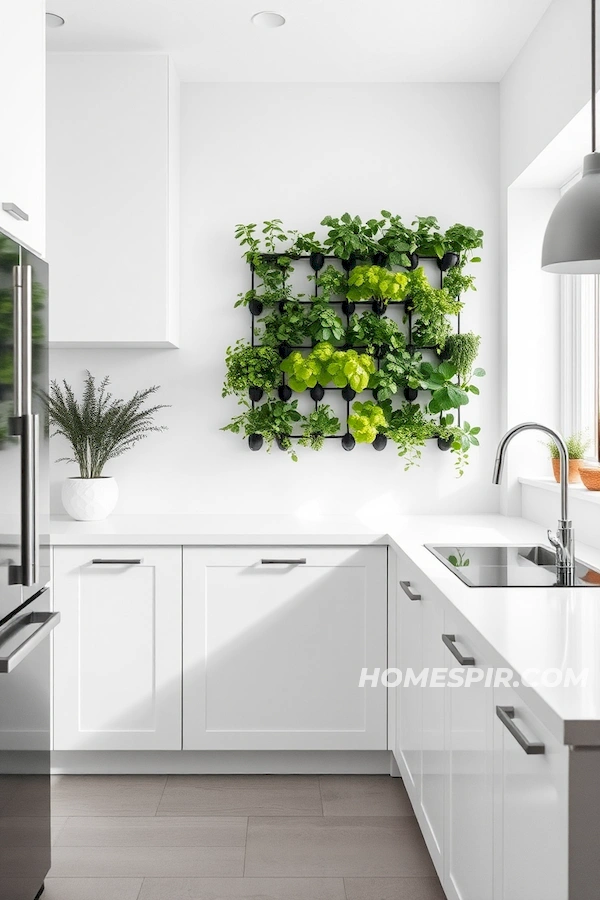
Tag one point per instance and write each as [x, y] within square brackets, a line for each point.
[299, 152]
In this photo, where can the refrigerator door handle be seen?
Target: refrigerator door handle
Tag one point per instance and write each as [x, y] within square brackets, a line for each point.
[46, 622]
[25, 424]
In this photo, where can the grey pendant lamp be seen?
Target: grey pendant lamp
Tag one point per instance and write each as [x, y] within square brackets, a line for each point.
[572, 239]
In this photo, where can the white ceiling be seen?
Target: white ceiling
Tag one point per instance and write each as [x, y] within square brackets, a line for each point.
[323, 40]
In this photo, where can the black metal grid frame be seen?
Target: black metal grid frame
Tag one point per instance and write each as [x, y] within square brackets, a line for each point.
[347, 315]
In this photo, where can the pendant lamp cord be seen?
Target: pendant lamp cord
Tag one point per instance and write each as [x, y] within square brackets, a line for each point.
[593, 76]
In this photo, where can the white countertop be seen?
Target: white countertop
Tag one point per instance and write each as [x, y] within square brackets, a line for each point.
[524, 628]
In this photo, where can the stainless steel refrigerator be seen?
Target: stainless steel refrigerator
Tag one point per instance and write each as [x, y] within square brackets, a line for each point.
[26, 620]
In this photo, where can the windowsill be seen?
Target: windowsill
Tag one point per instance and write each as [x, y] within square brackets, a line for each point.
[576, 491]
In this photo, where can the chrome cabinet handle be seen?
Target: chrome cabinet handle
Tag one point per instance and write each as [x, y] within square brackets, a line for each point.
[46, 621]
[117, 562]
[506, 715]
[18, 340]
[405, 585]
[448, 640]
[283, 562]
[15, 211]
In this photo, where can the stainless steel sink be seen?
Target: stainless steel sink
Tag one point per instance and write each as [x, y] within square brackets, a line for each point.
[485, 565]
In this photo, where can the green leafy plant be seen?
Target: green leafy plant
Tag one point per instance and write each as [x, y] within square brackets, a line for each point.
[398, 371]
[375, 283]
[305, 244]
[397, 241]
[430, 303]
[100, 427]
[248, 367]
[462, 439]
[428, 239]
[409, 428]
[331, 283]
[323, 323]
[347, 367]
[462, 350]
[456, 283]
[577, 444]
[366, 421]
[463, 239]
[273, 420]
[447, 394]
[318, 425]
[350, 236]
[303, 371]
[289, 326]
[377, 334]
[432, 332]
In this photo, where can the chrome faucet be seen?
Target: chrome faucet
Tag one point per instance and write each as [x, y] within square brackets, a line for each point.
[564, 539]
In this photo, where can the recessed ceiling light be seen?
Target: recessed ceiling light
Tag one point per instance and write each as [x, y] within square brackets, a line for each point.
[267, 20]
[54, 21]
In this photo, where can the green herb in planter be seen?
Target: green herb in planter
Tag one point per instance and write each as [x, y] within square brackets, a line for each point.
[432, 332]
[248, 367]
[350, 236]
[399, 371]
[446, 394]
[274, 421]
[287, 327]
[409, 428]
[303, 372]
[305, 244]
[331, 283]
[398, 240]
[323, 323]
[462, 350]
[430, 303]
[349, 367]
[376, 333]
[366, 422]
[456, 283]
[427, 236]
[318, 425]
[577, 445]
[462, 438]
[463, 239]
[375, 283]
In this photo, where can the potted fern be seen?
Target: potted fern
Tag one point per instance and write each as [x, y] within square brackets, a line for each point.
[98, 428]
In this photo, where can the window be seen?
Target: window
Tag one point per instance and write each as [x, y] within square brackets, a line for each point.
[580, 320]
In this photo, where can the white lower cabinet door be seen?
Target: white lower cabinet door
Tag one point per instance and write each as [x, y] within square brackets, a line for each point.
[531, 805]
[468, 851]
[433, 761]
[275, 639]
[117, 651]
[408, 696]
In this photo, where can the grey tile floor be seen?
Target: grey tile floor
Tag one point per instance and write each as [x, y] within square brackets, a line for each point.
[239, 837]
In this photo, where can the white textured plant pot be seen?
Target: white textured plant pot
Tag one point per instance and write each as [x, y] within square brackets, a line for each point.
[90, 499]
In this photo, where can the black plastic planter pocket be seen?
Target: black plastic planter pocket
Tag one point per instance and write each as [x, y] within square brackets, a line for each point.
[285, 392]
[380, 259]
[348, 393]
[348, 264]
[443, 444]
[378, 307]
[448, 261]
[255, 307]
[317, 261]
[410, 394]
[413, 261]
[255, 394]
[348, 442]
[284, 350]
[380, 442]
[255, 441]
[318, 392]
[348, 307]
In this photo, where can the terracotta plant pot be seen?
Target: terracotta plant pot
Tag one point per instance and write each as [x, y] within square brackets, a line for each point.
[590, 475]
[574, 466]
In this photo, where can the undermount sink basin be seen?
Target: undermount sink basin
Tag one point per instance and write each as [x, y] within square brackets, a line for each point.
[485, 565]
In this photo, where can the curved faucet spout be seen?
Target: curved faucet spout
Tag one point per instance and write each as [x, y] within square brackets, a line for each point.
[562, 452]
[563, 541]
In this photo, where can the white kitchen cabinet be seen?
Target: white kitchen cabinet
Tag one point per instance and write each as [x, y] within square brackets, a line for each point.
[469, 729]
[274, 642]
[113, 186]
[22, 148]
[117, 653]
[408, 743]
[531, 824]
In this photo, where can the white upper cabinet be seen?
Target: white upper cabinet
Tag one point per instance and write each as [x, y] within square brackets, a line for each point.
[22, 147]
[274, 641]
[113, 185]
